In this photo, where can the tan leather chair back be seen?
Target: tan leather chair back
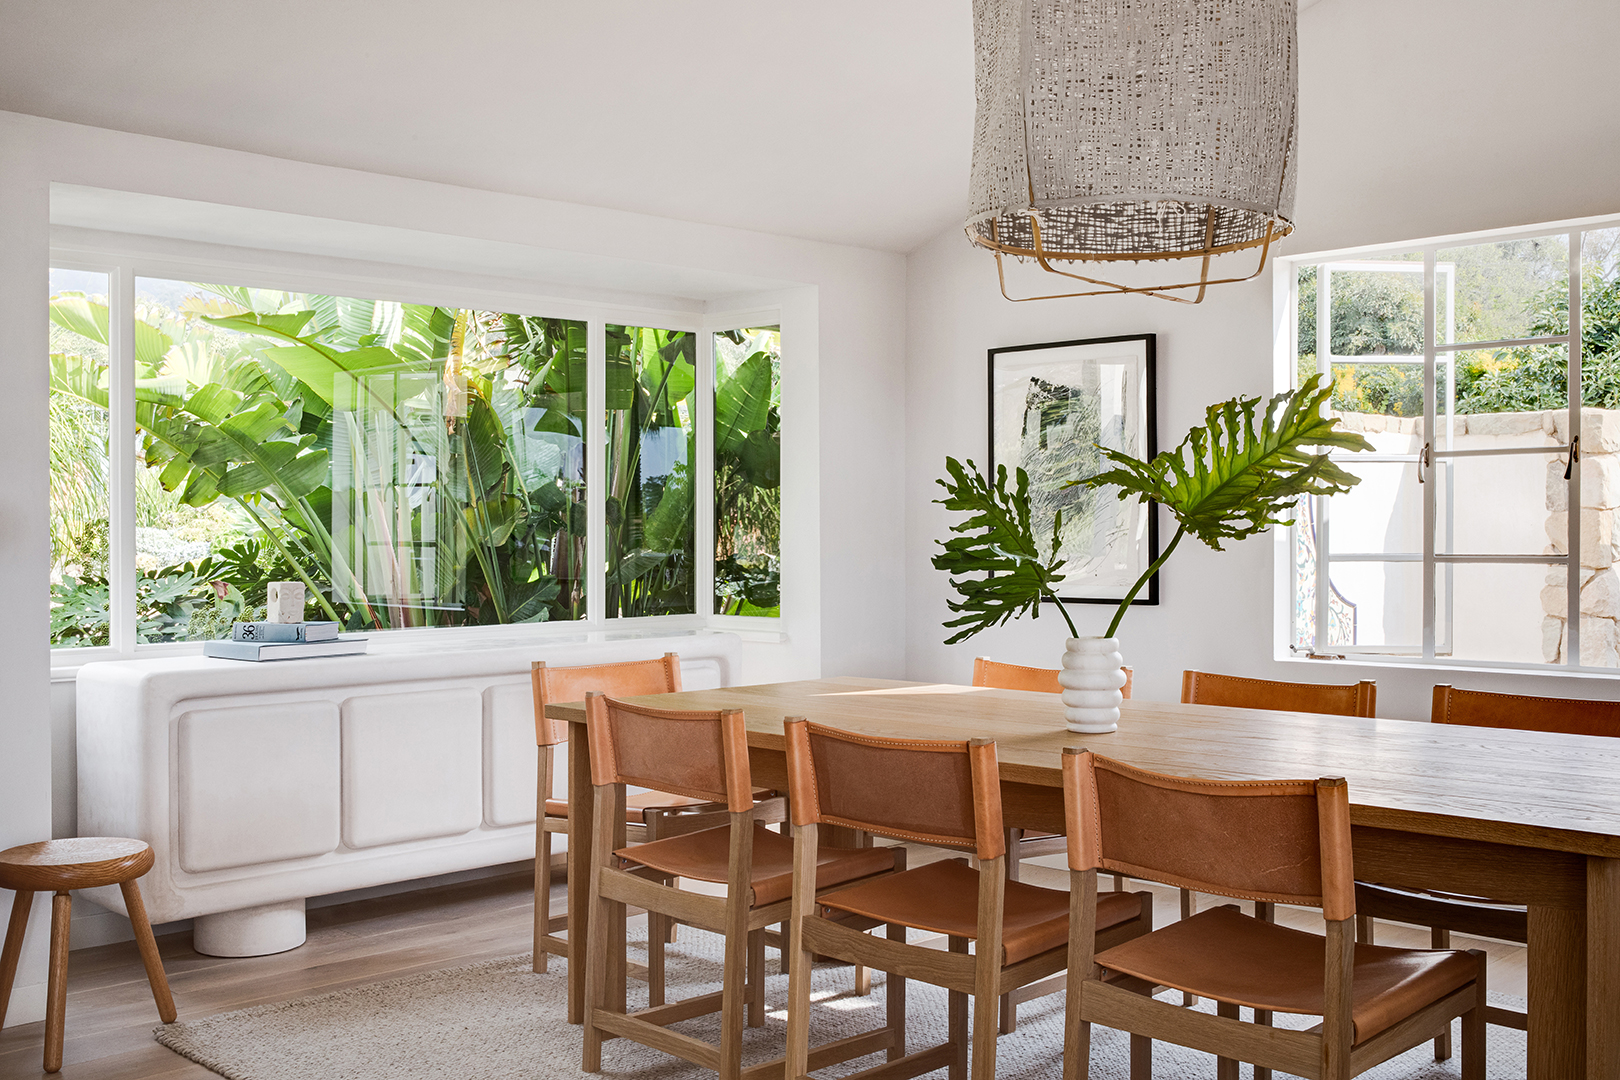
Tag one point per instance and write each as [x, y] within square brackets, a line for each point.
[1572, 716]
[1204, 688]
[703, 755]
[992, 673]
[1285, 841]
[630, 679]
[932, 792]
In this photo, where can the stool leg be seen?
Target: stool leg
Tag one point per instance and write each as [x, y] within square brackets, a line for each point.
[149, 950]
[56, 1002]
[21, 904]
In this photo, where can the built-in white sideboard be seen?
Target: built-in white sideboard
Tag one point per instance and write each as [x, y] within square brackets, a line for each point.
[259, 785]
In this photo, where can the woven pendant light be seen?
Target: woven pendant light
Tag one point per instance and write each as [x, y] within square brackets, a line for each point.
[1133, 130]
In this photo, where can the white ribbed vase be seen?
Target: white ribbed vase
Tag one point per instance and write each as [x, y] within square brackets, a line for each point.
[1091, 678]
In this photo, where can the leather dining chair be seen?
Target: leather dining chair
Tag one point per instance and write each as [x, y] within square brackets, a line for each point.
[1285, 841]
[1234, 691]
[1476, 916]
[941, 793]
[648, 814]
[702, 755]
[1023, 845]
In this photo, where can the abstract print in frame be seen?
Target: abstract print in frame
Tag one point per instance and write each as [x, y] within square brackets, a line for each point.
[1051, 406]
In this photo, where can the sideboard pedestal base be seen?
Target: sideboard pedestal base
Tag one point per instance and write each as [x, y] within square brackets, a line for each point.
[254, 931]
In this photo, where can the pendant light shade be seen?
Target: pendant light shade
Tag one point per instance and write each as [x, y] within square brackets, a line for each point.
[1133, 130]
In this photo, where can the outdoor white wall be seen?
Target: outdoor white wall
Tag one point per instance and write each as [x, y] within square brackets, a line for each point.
[859, 338]
[1417, 120]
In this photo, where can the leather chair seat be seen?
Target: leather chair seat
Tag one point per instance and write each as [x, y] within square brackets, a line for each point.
[943, 898]
[1224, 954]
[706, 855]
[638, 801]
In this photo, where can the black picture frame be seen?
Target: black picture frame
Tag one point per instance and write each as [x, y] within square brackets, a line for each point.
[1057, 364]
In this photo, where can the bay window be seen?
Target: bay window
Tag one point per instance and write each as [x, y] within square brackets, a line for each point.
[416, 465]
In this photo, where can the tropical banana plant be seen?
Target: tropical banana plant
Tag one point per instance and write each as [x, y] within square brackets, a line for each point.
[1241, 472]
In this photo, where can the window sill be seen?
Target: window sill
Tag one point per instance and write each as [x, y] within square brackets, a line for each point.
[66, 663]
[1476, 667]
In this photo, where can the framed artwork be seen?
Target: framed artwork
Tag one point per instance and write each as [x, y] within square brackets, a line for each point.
[1051, 406]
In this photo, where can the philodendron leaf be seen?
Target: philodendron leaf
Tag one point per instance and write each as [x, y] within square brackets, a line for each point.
[997, 541]
[1242, 471]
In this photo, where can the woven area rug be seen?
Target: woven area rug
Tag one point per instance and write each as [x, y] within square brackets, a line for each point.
[499, 1021]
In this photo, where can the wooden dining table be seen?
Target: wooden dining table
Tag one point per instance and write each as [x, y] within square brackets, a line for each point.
[1521, 817]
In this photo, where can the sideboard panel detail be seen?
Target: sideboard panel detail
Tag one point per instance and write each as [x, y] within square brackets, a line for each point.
[257, 784]
[411, 767]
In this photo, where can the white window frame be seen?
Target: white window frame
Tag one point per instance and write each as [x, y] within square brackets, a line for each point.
[124, 263]
[1437, 350]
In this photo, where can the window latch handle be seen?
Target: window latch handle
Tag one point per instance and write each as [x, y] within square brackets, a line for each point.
[1574, 456]
[1423, 462]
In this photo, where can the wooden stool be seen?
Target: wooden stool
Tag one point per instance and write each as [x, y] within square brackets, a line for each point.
[59, 865]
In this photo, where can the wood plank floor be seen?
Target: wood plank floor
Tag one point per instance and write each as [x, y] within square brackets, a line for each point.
[110, 1014]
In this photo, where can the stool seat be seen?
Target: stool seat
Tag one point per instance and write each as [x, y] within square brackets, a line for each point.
[83, 862]
[59, 866]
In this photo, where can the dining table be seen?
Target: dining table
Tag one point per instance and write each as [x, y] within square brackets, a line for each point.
[1520, 817]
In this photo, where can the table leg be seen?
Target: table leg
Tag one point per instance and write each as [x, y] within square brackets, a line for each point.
[1556, 993]
[580, 822]
[1602, 967]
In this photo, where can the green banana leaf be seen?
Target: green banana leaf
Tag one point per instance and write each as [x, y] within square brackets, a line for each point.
[742, 402]
[90, 319]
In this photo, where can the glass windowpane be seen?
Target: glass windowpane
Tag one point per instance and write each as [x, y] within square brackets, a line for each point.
[1377, 606]
[418, 465]
[80, 507]
[1381, 514]
[748, 471]
[1510, 289]
[1501, 612]
[651, 449]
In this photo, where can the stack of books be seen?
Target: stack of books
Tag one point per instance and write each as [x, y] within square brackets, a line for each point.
[284, 641]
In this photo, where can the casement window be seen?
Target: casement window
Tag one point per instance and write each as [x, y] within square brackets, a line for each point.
[416, 465]
[1485, 371]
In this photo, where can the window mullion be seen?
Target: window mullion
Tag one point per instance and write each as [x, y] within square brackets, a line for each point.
[1572, 580]
[703, 539]
[1429, 427]
[596, 472]
[1323, 638]
[121, 464]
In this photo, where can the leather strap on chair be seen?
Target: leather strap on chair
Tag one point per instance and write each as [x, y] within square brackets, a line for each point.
[1207, 688]
[700, 754]
[1296, 833]
[951, 795]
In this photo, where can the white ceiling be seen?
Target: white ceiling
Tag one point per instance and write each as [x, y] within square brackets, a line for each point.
[840, 120]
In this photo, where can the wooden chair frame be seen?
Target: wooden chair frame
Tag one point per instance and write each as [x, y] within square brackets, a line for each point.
[1325, 1052]
[1362, 697]
[981, 975]
[656, 822]
[734, 916]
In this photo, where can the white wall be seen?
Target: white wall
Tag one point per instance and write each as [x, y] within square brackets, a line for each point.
[858, 339]
[1417, 120]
